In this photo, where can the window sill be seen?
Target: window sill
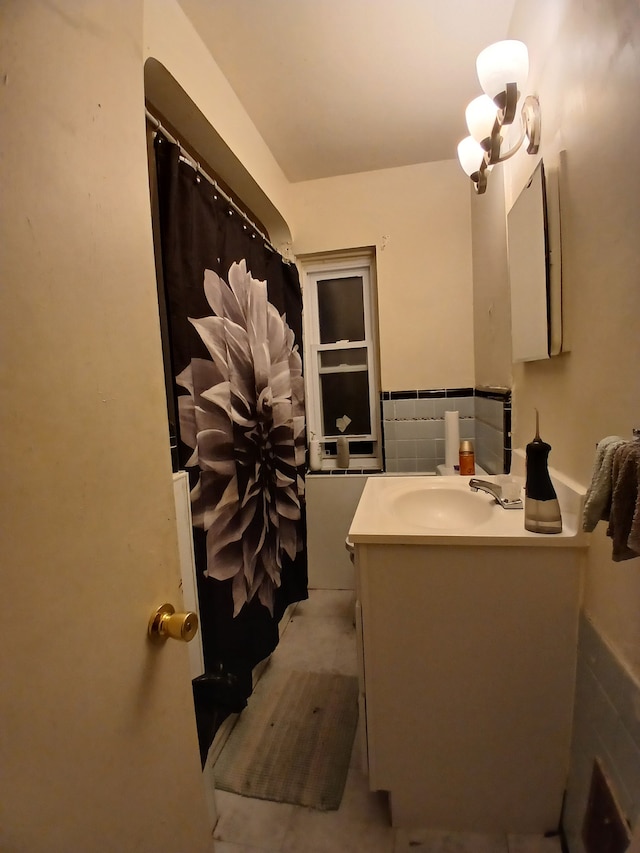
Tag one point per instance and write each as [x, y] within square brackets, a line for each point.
[332, 472]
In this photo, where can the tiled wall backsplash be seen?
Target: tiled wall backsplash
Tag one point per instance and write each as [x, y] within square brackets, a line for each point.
[606, 725]
[493, 430]
[413, 427]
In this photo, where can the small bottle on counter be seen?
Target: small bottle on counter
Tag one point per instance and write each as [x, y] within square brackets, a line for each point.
[467, 459]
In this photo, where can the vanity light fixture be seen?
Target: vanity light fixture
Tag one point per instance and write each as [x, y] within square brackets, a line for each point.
[502, 69]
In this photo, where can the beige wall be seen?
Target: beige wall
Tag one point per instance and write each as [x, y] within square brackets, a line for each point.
[418, 219]
[186, 84]
[585, 67]
[491, 300]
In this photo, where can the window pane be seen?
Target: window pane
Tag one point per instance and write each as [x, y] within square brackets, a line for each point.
[341, 309]
[356, 448]
[348, 357]
[345, 394]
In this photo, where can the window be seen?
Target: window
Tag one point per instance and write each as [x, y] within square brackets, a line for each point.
[341, 357]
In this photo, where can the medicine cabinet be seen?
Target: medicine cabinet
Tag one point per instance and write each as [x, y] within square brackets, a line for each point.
[535, 268]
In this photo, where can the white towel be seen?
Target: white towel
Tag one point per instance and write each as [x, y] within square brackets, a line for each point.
[624, 518]
[597, 504]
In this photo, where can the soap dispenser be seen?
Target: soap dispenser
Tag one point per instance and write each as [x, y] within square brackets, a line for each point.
[541, 507]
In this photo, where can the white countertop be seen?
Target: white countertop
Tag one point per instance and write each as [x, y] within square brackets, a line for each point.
[379, 517]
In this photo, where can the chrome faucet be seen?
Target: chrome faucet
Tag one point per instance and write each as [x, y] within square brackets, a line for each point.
[495, 491]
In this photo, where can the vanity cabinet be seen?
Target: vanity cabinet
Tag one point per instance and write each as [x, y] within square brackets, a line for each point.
[467, 658]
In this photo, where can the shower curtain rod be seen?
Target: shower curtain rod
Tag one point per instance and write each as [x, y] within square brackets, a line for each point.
[185, 157]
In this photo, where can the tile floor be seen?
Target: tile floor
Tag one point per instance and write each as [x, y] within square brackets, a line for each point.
[320, 637]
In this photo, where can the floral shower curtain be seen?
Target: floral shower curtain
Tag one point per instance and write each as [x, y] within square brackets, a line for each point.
[234, 312]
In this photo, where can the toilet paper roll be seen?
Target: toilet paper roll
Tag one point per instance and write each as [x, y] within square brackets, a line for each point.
[451, 439]
[342, 457]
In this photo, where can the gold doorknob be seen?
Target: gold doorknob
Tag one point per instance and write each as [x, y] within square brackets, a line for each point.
[165, 623]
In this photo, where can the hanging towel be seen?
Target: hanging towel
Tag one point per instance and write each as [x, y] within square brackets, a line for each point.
[624, 519]
[598, 500]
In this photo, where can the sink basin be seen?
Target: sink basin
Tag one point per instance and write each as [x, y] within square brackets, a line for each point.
[442, 508]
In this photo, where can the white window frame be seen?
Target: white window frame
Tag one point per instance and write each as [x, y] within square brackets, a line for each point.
[343, 265]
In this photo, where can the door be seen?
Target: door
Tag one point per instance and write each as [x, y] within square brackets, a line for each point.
[99, 744]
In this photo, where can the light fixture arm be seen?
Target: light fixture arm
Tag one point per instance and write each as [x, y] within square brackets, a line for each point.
[529, 129]
[507, 102]
[513, 150]
[480, 179]
[495, 154]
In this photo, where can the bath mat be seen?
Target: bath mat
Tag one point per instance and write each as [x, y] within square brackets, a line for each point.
[293, 743]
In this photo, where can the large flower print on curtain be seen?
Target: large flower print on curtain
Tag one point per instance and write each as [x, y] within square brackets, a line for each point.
[244, 420]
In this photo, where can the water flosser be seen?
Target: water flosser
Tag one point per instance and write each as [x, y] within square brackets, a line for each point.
[541, 507]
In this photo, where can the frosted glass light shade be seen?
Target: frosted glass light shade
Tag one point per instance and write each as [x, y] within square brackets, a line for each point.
[501, 63]
[481, 116]
[470, 155]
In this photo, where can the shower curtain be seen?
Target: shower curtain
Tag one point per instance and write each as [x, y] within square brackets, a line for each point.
[234, 313]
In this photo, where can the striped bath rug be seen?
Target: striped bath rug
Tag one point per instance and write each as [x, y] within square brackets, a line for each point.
[293, 742]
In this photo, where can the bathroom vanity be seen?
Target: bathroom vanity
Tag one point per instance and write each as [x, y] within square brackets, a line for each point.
[467, 632]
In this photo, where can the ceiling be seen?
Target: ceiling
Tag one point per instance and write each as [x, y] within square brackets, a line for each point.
[342, 86]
